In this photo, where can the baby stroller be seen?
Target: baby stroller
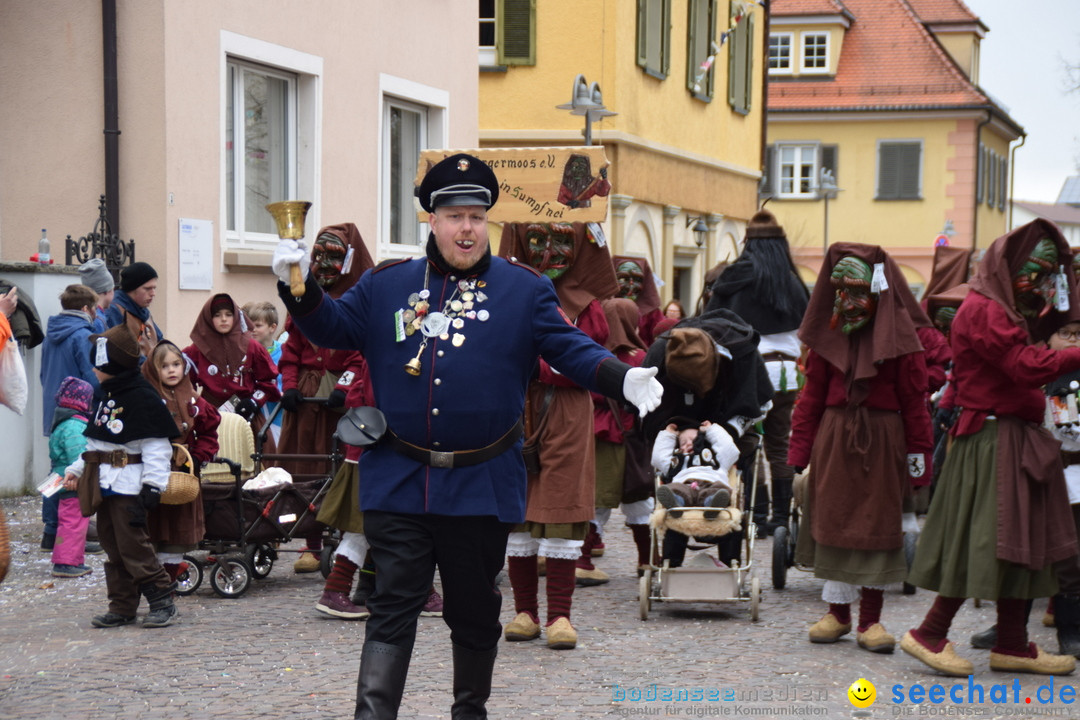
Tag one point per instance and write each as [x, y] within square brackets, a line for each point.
[245, 527]
[702, 578]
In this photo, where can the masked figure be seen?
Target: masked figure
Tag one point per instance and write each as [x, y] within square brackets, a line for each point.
[561, 495]
[1000, 517]
[862, 427]
[636, 283]
[328, 258]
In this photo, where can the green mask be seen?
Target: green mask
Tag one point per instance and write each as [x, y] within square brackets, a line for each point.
[943, 319]
[855, 304]
[631, 279]
[1033, 284]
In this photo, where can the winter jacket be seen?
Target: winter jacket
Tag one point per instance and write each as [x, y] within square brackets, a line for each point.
[67, 442]
[66, 351]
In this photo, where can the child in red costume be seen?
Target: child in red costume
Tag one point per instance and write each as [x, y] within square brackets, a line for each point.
[230, 362]
[176, 529]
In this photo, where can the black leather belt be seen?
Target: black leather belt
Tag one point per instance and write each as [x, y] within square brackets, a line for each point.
[1070, 458]
[456, 458]
[770, 356]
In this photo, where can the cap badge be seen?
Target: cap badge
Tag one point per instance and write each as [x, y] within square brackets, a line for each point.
[463, 165]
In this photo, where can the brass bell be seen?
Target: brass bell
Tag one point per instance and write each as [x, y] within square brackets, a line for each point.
[413, 366]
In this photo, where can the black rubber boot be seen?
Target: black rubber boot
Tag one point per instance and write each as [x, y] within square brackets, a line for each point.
[381, 682]
[472, 682]
[781, 503]
[163, 610]
[1067, 622]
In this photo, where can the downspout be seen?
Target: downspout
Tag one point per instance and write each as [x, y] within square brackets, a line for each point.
[764, 100]
[978, 172]
[112, 116]
[1012, 175]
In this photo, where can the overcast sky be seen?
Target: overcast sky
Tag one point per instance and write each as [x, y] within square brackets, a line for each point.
[1023, 68]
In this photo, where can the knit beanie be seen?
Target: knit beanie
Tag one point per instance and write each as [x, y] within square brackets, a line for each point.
[75, 393]
[96, 276]
[220, 302]
[136, 275]
[764, 225]
[115, 350]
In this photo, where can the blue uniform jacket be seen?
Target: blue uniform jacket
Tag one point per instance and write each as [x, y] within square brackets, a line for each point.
[466, 397]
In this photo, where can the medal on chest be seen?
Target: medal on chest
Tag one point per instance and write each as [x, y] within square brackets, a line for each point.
[459, 308]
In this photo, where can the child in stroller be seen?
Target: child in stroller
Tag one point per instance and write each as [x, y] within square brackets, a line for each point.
[693, 463]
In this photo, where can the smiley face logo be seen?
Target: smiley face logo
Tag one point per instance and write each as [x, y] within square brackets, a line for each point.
[862, 693]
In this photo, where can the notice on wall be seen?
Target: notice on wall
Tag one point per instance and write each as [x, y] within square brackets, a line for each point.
[545, 185]
[196, 249]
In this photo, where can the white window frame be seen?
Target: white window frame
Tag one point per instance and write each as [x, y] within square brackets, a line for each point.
[796, 179]
[804, 56]
[395, 91]
[305, 142]
[488, 53]
[790, 68]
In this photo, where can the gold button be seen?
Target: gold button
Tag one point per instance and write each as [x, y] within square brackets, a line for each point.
[435, 411]
[438, 381]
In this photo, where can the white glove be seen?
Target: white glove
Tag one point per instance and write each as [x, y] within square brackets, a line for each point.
[641, 388]
[287, 253]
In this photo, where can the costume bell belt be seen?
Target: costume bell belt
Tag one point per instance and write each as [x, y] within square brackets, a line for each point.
[457, 458]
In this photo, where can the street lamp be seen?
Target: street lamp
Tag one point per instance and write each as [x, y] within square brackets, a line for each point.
[701, 230]
[826, 189]
[586, 100]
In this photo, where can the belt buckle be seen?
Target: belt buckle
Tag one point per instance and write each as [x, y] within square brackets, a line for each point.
[441, 459]
[119, 459]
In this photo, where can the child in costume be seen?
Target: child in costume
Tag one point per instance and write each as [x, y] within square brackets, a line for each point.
[121, 476]
[177, 529]
[1001, 516]
[264, 325]
[66, 444]
[232, 366]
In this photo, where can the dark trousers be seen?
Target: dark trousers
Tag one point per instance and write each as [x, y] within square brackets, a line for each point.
[469, 551]
[777, 429]
[1068, 570]
[131, 562]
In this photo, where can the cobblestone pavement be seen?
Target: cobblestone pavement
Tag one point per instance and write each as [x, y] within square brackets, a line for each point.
[268, 654]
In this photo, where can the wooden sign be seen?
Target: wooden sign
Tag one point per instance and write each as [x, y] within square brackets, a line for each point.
[548, 185]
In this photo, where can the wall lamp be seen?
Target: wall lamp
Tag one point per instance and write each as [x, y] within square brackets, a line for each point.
[701, 230]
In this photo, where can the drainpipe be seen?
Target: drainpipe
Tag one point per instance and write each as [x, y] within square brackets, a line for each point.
[764, 93]
[112, 116]
[978, 171]
[1012, 175]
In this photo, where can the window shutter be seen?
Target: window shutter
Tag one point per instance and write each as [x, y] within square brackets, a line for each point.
[654, 29]
[828, 160]
[910, 157]
[768, 173]
[665, 36]
[980, 171]
[643, 32]
[748, 61]
[1003, 196]
[888, 172]
[516, 32]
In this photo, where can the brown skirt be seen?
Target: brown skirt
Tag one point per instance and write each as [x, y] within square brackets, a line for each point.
[610, 469]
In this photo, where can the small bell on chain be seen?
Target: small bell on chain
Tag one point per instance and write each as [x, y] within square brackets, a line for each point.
[413, 366]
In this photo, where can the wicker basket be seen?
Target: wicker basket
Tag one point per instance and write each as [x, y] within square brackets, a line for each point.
[183, 486]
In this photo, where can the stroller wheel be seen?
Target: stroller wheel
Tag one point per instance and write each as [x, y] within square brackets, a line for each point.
[755, 598]
[261, 559]
[780, 541]
[644, 589]
[190, 578]
[230, 577]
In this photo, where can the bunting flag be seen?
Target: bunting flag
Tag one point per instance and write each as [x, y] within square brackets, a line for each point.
[739, 11]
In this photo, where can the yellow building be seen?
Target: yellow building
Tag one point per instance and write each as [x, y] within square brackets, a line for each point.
[883, 97]
[685, 144]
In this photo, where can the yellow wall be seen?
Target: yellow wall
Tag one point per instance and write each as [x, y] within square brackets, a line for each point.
[598, 40]
[963, 48]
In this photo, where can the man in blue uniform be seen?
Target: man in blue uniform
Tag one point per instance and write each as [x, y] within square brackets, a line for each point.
[451, 340]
